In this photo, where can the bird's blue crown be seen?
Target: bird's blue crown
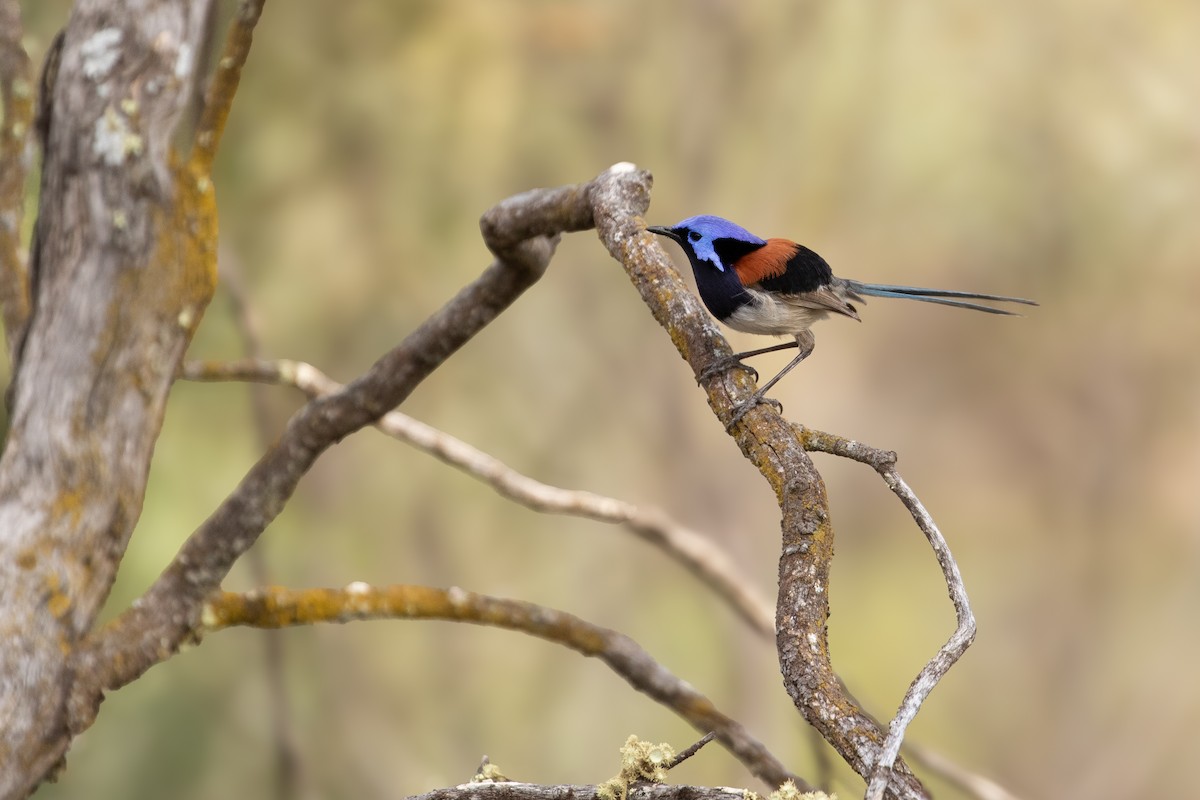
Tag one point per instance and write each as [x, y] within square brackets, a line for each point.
[702, 232]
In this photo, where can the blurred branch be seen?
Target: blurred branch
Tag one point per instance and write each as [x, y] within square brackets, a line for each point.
[966, 781]
[522, 233]
[276, 607]
[288, 760]
[693, 551]
[223, 85]
[884, 462]
[16, 120]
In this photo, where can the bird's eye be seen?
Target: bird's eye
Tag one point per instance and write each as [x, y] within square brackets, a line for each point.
[694, 236]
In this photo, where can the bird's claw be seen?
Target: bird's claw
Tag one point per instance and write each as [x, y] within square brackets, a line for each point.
[723, 365]
[741, 409]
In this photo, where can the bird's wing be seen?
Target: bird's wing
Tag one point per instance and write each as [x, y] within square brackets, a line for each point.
[822, 299]
[794, 275]
[783, 267]
[769, 261]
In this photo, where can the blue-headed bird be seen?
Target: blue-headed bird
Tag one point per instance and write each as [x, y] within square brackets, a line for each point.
[777, 287]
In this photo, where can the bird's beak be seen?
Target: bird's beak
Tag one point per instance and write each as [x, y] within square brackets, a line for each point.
[661, 231]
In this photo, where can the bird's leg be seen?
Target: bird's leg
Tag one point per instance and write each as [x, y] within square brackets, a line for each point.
[734, 361]
[806, 343]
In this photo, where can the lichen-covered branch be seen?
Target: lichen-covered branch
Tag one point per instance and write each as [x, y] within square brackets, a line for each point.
[16, 122]
[277, 607]
[515, 790]
[691, 549]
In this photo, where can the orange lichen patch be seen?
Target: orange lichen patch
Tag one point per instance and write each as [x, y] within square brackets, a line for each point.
[57, 601]
[58, 604]
[767, 261]
[69, 505]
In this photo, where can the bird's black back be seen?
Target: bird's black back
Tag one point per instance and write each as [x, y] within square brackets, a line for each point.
[806, 271]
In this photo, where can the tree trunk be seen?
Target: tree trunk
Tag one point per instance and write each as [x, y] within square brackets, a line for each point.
[123, 268]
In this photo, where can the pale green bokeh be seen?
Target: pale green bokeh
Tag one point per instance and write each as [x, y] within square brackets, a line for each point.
[1049, 150]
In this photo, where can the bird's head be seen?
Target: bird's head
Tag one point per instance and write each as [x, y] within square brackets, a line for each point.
[711, 241]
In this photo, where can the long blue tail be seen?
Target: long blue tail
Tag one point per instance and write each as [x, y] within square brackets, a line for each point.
[941, 296]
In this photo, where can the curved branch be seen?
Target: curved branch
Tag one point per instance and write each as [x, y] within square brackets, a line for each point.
[691, 549]
[522, 232]
[884, 462]
[276, 607]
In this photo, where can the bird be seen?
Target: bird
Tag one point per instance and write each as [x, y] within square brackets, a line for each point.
[777, 287]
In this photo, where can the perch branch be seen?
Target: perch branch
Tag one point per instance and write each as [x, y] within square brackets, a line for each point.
[884, 462]
[693, 551]
[277, 607]
[522, 233]
[221, 89]
[773, 446]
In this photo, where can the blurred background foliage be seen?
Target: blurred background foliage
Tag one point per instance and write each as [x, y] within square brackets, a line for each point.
[1047, 149]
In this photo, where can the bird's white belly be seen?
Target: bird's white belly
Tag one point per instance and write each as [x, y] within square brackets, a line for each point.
[770, 316]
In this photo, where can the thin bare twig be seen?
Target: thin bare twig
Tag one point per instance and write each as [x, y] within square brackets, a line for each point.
[276, 607]
[884, 462]
[967, 781]
[688, 752]
[691, 549]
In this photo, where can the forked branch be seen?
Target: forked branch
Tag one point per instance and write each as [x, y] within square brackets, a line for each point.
[522, 233]
[884, 462]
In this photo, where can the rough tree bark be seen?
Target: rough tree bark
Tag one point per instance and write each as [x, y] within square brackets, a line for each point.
[125, 270]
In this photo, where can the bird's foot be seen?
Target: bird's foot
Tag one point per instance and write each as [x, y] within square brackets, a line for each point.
[723, 365]
[743, 408]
